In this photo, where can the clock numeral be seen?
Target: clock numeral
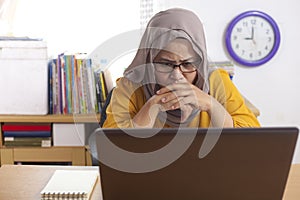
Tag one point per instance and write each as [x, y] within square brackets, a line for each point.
[267, 31]
[269, 39]
[253, 21]
[245, 23]
[239, 29]
[266, 48]
[259, 53]
[251, 55]
[237, 46]
[235, 37]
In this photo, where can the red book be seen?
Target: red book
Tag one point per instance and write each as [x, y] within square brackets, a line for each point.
[26, 127]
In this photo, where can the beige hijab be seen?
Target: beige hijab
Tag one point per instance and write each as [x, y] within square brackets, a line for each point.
[164, 27]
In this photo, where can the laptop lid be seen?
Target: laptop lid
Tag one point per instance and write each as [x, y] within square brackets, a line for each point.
[160, 164]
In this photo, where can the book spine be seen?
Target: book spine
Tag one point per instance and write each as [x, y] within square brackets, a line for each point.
[54, 86]
[68, 83]
[75, 98]
[27, 133]
[91, 86]
[80, 85]
[27, 141]
[98, 91]
[103, 87]
[85, 88]
[63, 85]
[16, 127]
[59, 90]
[50, 88]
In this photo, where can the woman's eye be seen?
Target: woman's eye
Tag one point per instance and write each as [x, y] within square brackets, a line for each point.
[169, 65]
[187, 64]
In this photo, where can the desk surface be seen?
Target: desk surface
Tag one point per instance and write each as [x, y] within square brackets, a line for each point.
[26, 182]
[292, 190]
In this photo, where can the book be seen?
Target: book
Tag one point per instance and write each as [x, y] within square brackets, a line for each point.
[27, 133]
[27, 141]
[26, 127]
[59, 85]
[52, 81]
[50, 88]
[70, 184]
[36, 139]
[108, 80]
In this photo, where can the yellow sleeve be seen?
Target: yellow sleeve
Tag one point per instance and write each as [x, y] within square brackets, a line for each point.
[127, 99]
[224, 91]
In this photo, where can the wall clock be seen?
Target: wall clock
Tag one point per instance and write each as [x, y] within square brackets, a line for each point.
[252, 38]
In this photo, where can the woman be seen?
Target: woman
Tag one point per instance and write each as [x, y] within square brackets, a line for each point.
[169, 84]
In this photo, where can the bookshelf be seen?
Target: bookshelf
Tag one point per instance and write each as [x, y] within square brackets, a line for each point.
[77, 155]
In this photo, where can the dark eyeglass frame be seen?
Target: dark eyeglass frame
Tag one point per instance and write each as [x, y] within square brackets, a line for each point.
[195, 63]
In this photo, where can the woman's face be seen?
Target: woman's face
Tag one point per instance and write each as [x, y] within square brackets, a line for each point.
[179, 51]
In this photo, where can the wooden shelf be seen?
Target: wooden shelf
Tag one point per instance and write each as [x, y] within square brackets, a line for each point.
[69, 118]
[75, 155]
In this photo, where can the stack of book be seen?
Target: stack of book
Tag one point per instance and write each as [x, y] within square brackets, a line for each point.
[72, 85]
[75, 87]
[27, 134]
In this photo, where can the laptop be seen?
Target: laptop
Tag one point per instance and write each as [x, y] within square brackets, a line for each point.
[188, 163]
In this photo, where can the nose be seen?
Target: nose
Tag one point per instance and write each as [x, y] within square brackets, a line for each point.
[176, 73]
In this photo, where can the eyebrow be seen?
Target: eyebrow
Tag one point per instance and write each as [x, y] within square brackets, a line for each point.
[172, 61]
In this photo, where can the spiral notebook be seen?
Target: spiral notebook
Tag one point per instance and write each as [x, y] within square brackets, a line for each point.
[70, 184]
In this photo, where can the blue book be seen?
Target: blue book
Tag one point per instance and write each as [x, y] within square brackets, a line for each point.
[50, 87]
[27, 133]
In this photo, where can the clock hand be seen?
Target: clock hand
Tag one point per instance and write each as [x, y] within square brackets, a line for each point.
[252, 33]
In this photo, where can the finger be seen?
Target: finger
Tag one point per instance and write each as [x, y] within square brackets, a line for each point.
[178, 98]
[171, 87]
[179, 90]
[171, 105]
[163, 90]
[167, 97]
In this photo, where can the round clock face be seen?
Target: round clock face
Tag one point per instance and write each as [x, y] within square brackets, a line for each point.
[252, 38]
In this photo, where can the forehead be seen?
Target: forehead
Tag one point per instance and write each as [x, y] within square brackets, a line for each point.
[177, 49]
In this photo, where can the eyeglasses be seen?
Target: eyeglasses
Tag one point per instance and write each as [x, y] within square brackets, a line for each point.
[186, 67]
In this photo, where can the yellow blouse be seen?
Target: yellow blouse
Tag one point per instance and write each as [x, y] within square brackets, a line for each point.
[128, 98]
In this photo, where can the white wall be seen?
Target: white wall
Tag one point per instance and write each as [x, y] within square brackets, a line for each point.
[273, 87]
[76, 26]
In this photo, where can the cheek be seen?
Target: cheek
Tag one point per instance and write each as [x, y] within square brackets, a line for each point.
[190, 77]
[162, 78]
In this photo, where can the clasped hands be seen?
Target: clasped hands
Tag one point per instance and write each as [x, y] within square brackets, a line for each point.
[181, 95]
